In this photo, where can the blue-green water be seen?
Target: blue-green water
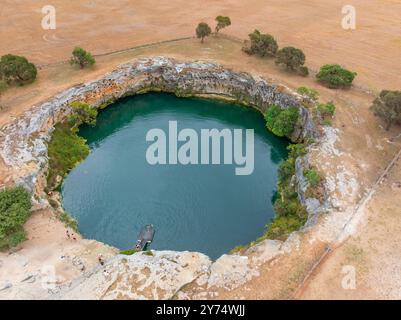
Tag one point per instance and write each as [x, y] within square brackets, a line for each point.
[205, 208]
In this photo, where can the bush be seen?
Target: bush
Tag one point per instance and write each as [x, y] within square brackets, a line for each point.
[17, 69]
[281, 122]
[290, 214]
[15, 206]
[261, 44]
[292, 58]
[303, 71]
[387, 106]
[309, 92]
[83, 113]
[326, 109]
[313, 177]
[222, 22]
[334, 76]
[65, 150]
[203, 30]
[82, 58]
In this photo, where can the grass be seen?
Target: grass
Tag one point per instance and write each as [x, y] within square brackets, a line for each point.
[69, 221]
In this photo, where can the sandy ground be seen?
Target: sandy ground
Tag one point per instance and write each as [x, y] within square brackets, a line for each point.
[47, 259]
[373, 50]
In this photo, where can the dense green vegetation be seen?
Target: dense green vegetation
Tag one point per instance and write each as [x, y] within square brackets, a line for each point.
[309, 92]
[313, 177]
[293, 59]
[17, 70]
[66, 148]
[387, 106]
[261, 44]
[290, 214]
[203, 30]
[334, 76]
[222, 22]
[281, 121]
[15, 206]
[82, 58]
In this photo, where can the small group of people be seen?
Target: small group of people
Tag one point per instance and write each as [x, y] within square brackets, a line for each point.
[71, 236]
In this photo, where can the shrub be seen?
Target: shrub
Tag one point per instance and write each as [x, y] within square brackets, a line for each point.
[281, 122]
[203, 30]
[313, 177]
[303, 71]
[82, 58]
[292, 58]
[83, 113]
[261, 44]
[15, 206]
[17, 69]
[326, 109]
[387, 106]
[334, 76]
[65, 150]
[222, 22]
[309, 92]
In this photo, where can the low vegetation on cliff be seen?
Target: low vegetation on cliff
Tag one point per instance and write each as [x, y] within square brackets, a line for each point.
[281, 121]
[290, 214]
[15, 206]
[66, 148]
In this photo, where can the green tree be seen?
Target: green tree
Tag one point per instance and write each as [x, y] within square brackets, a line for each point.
[281, 122]
[15, 206]
[334, 76]
[261, 44]
[222, 22]
[203, 30]
[292, 58]
[17, 69]
[82, 58]
[387, 106]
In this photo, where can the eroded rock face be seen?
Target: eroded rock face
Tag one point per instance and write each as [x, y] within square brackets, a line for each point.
[159, 275]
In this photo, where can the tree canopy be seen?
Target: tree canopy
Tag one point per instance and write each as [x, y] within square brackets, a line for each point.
[292, 58]
[261, 44]
[281, 121]
[17, 69]
[222, 22]
[203, 30]
[334, 76]
[387, 106]
[82, 58]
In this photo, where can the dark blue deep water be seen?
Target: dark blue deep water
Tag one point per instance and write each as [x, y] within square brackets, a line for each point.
[205, 208]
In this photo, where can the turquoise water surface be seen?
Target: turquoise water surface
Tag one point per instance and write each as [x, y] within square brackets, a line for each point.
[205, 208]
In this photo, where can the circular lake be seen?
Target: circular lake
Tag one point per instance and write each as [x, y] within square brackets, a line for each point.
[205, 208]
